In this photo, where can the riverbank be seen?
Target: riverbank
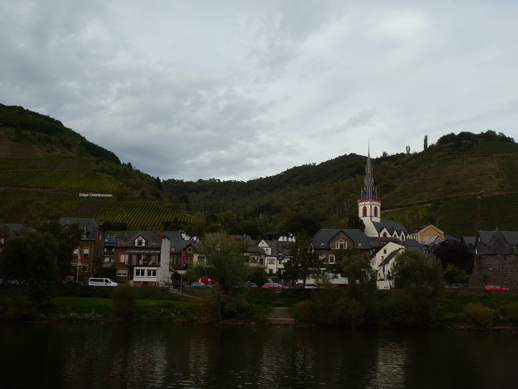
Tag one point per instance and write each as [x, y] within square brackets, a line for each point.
[458, 309]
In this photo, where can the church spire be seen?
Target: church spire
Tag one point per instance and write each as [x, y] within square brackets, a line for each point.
[369, 190]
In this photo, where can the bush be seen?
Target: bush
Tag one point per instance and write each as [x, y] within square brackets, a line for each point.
[332, 307]
[304, 311]
[124, 302]
[511, 311]
[480, 315]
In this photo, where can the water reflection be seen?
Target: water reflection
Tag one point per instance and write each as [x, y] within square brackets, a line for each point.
[111, 356]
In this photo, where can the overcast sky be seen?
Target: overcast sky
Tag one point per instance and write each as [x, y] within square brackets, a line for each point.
[236, 89]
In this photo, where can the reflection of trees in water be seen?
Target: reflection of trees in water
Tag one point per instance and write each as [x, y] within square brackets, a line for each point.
[389, 368]
[283, 355]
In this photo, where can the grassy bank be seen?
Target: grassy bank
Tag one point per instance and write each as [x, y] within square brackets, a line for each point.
[455, 309]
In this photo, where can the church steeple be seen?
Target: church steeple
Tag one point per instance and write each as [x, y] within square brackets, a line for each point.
[369, 190]
[369, 206]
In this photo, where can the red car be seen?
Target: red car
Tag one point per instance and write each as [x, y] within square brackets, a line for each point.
[495, 287]
[273, 285]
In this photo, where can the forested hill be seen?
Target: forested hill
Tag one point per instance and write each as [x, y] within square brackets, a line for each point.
[462, 183]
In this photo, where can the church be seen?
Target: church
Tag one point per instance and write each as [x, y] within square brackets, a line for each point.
[369, 211]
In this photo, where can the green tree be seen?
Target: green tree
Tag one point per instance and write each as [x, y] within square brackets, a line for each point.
[356, 267]
[355, 222]
[455, 253]
[31, 257]
[68, 239]
[422, 279]
[226, 264]
[303, 262]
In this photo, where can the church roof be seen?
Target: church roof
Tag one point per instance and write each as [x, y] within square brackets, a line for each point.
[390, 225]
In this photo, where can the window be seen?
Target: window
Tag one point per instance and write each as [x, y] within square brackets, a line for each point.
[331, 259]
[270, 261]
[121, 273]
[140, 242]
[376, 211]
[151, 272]
[341, 244]
[140, 272]
[364, 211]
[86, 251]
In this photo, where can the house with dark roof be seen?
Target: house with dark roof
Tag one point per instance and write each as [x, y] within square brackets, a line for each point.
[89, 255]
[325, 241]
[496, 259]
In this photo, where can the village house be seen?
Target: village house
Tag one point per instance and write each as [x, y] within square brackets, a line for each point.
[327, 241]
[274, 257]
[88, 256]
[496, 259]
[429, 236]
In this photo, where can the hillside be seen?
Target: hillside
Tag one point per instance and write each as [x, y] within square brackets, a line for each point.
[463, 183]
[46, 166]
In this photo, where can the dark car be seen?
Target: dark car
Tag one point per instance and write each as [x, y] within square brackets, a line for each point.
[198, 285]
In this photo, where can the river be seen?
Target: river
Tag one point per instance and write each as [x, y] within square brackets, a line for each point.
[150, 356]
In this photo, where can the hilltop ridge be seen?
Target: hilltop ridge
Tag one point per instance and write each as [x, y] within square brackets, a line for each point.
[463, 183]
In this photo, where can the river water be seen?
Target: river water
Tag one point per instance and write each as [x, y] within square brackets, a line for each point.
[148, 356]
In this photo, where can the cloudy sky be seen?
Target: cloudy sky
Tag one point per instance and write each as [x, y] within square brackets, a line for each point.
[241, 89]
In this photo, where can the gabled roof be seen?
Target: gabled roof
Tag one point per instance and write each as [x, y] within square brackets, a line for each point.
[277, 248]
[391, 226]
[390, 257]
[89, 226]
[497, 242]
[322, 238]
[178, 246]
[412, 244]
[127, 238]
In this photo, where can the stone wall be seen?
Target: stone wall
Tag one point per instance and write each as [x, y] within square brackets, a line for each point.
[495, 270]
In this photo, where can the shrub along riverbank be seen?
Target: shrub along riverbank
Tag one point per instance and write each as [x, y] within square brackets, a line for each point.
[321, 307]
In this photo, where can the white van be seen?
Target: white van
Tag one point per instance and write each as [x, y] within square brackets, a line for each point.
[101, 282]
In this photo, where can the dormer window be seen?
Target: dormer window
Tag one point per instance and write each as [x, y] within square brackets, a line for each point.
[341, 244]
[140, 242]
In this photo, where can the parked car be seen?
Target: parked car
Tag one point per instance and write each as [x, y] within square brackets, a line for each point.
[273, 285]
[495, 287]
[311, 286]
[251, 284]
[101, 282]
[198, 284]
